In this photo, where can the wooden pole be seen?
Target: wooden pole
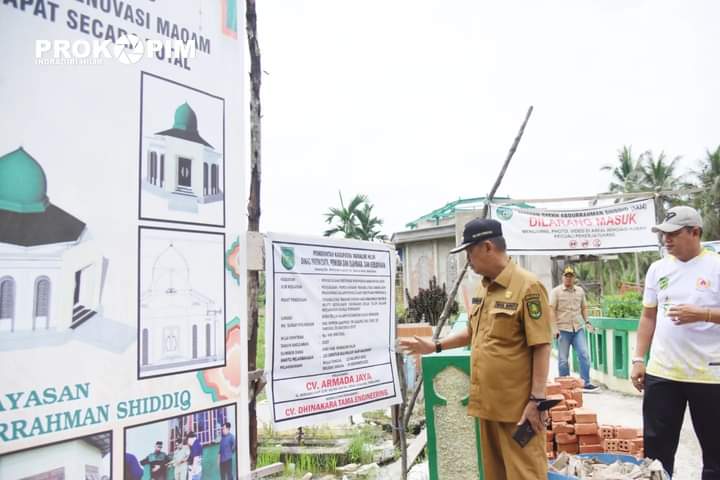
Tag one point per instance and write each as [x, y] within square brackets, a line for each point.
[253, 276]
[451, 298]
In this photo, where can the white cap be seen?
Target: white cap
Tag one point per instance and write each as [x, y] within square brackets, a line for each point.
[677, 218]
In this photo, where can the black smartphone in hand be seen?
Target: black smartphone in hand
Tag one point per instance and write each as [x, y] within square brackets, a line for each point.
[525, 432]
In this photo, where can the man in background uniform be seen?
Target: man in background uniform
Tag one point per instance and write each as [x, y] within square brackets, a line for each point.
[680, 326]
[510, 334]
[571, 316]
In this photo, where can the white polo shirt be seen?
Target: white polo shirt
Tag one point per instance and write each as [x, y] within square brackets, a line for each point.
[689, 352]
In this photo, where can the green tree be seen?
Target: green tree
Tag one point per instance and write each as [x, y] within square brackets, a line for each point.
[625, 174]
[708, 200]
[354, 221]
[368, 225]
[659, 174]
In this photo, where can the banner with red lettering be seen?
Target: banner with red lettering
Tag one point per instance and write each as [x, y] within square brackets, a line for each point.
[622, 227]
[330, 328]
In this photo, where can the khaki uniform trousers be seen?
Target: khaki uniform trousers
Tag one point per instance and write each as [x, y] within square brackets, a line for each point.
[504, 459]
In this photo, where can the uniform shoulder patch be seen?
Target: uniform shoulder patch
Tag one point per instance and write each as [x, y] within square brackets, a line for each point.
[533, 306]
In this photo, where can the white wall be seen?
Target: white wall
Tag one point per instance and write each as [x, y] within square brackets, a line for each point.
[72, 455]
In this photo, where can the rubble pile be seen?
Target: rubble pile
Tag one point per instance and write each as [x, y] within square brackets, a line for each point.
[576, 430]
[589, 468]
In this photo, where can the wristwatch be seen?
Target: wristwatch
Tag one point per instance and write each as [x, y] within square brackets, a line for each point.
[638, 360]
[438, 346]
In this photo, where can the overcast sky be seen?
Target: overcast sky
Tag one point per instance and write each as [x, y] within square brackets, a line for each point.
[415, 103]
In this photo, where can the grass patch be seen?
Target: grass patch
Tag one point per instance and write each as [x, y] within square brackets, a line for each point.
[268, 457]
[358, 451]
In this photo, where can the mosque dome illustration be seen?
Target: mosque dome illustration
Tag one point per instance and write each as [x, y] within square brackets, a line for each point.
[50, 278]
[23, 186]
[180, 165]
[178, 323]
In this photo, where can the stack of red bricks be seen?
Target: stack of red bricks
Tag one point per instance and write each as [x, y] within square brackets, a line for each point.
[576, 429]
[619, 439]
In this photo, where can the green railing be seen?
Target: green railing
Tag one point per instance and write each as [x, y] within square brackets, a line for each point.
[597, 342]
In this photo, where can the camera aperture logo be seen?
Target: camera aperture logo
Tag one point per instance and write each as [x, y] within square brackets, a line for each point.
[128, 50]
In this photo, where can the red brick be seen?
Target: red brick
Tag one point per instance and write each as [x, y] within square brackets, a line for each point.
[591, 448]
[552, 389]
[571, 404]
[610, 445]
[583, 415]
[624, 445]
[563, 427]
[589, 440]
[569, 448]
[565, 438]
[549, 434]
[566, 383]
[577, 395]
[586, 428]
[550, 455]
[567, 394]
[606, 431]
[627, 433]
[561, 416]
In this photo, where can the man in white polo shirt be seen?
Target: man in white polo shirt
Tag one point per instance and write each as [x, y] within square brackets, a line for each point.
[680, 325]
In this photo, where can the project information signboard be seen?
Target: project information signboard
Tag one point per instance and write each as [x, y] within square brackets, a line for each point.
[122, 289]
[623, 227]
[330, 327]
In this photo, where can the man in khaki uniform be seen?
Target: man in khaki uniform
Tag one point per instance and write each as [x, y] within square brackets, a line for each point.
[571, 315]
[510, 334]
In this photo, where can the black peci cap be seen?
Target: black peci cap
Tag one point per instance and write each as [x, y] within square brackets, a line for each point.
[478, 230]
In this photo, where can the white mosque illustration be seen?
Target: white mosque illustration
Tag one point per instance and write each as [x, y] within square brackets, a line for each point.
[179, 326]
[181, 166]
[51, 276]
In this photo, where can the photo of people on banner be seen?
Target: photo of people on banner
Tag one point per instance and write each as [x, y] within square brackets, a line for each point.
[198, 446]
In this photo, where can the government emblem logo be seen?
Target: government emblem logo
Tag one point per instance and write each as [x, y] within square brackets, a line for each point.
[287, 257]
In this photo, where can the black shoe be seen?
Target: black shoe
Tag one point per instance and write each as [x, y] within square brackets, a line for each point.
[590, 388]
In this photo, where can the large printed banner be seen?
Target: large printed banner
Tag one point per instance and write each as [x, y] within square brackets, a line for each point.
[330, 328]
[623, 227]
[121, 285]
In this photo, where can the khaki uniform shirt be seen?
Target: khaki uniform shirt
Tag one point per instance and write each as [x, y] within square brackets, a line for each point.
[568, 304]
[510, 314]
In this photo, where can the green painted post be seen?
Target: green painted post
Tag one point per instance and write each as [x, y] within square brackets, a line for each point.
[437, 443]
[602, 350]
[620, 354]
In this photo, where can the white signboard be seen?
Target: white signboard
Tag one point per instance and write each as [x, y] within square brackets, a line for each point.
[623, 227]
[122, 286]
[330, 327]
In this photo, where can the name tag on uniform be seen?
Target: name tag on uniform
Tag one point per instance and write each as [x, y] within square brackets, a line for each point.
[477, 300]
[506, 305]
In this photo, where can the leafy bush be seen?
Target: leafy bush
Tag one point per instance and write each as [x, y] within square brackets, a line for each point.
[628, 305]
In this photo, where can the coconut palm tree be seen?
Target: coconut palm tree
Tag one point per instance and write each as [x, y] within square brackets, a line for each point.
[368, 226]
[346, 221]
[625, 173]
[659, 174]
[708, 201]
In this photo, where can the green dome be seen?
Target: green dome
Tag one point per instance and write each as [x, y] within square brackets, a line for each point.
[23, 186]
[185, 118]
